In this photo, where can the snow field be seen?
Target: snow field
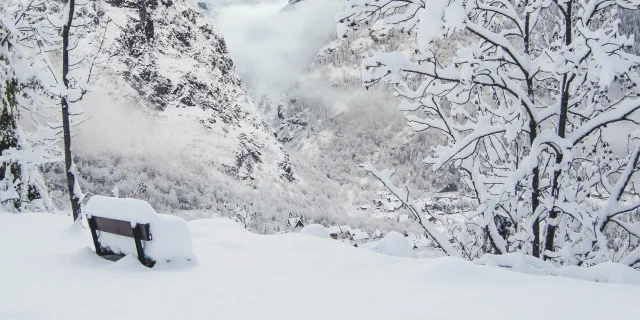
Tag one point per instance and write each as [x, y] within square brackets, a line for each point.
[49, 271]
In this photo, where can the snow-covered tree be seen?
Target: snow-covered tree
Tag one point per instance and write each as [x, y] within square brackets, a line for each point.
[525, 103]
[73, 31]
[630, 24]
[67, 97]
[22, 154]
[245, 217]
[59, 44]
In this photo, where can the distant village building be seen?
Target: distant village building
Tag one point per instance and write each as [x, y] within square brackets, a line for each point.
[387, 202]
[296, 223]
[339, 232]
[359, 236]
[445, 198]
[334, 232]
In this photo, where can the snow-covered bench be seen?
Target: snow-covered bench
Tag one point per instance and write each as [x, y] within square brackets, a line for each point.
[115, 222]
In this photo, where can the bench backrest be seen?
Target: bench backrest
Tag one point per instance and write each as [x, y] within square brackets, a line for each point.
[119, 227]
[140, 232]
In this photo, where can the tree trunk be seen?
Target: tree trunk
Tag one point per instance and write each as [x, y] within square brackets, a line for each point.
[535, 179]
[66, 119]
[562, 129]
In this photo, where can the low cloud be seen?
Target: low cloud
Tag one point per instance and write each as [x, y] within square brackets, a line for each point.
[272, 46]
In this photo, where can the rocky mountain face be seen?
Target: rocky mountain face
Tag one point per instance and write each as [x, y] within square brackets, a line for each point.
[168, 76]
[173, 58]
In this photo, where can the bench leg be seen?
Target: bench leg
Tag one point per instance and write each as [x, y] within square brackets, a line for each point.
[137, 235]
[94, 235]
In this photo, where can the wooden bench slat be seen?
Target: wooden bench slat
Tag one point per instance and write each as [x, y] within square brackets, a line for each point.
[119, 227]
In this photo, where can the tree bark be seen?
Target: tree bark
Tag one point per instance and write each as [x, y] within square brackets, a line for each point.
[562, 129]
[535, 179]
[66, 119]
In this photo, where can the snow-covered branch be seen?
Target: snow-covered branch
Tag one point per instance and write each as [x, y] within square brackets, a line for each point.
[523, 105]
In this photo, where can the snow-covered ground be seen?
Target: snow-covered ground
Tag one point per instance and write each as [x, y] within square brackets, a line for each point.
[49, 271]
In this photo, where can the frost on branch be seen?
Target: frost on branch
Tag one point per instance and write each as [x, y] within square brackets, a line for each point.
[526, 103]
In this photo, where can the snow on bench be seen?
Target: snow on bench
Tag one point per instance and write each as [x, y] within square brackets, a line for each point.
[114, 221]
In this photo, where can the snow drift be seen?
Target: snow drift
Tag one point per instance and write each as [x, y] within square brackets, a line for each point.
[394, 244]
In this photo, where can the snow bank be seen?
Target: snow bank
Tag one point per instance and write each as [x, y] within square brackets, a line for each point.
[315, 230]
[170, 235]
[605, 272]
[394, 244]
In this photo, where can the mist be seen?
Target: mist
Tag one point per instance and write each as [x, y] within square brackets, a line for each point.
[271, 45]
[128, 131]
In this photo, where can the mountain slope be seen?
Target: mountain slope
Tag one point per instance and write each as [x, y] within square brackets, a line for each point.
[328, 122]
[174, 58]
[171, 122]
